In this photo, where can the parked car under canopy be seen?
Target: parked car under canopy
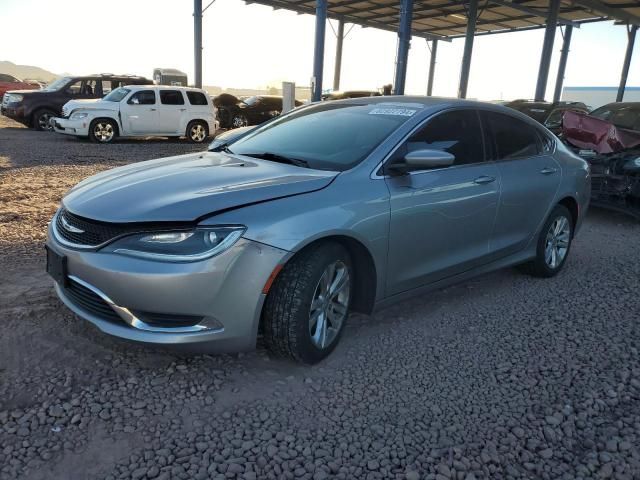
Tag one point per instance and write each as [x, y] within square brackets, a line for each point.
[234, 112]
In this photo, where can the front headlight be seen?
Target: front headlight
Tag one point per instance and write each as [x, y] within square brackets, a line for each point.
[13, 97]
[79, 115]
[178, 246]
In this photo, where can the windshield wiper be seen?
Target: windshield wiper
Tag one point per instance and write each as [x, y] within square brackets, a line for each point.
[274, 157]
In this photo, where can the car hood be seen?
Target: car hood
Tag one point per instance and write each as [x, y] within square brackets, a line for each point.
[188, 187]
[92, 103]
[33, 91]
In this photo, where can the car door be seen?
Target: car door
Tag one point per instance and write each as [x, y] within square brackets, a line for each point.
[530, 178]
[172, 112]
[139, 112]
[441, 219]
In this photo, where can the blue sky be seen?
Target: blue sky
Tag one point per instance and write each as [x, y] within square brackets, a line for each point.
[254, 46]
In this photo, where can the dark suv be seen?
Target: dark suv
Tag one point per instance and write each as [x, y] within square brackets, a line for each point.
[34, 108]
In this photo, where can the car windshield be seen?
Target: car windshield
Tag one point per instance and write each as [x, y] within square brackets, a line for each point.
[57, 84]
[116, 95]
[326, 136]
[251, 101]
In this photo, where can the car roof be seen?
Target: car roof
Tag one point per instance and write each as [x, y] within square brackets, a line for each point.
[621, 105]
[404, 100]
[164, 87]
[431, 105]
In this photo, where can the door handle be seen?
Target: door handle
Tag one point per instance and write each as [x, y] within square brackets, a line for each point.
[183, 109]
[484, 179]
[548, 170]
[152, 109]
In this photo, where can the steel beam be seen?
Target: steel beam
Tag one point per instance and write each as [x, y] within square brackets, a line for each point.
[532, 11]
[404, 43]
[627, 63]
[318, 50]
[432, 66]
[338, 64]
[608, 11]
[197, 42]
[465, 68]
[562, 66]
[547, 49]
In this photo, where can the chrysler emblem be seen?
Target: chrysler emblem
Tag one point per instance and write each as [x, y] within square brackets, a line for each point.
[70, 228]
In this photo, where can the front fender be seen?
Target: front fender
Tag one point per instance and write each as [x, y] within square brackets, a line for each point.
[350, 207]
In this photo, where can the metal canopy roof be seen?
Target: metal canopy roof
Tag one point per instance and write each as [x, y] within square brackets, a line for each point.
[446, 19]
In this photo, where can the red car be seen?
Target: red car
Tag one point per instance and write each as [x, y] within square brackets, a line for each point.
[8, 82]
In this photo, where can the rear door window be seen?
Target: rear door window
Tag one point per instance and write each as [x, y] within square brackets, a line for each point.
[171, 97]
[89, 87]
[197, 98]
[513, 138]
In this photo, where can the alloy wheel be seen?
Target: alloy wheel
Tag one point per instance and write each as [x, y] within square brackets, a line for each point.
[330, 304]
[557, 242]
[43, 121]
[239, 121]
[198, 133]
[103, 131]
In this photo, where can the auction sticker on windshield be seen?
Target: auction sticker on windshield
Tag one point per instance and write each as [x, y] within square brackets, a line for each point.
[403, 112]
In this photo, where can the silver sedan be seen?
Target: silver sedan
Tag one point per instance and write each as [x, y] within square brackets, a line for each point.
[333, 208]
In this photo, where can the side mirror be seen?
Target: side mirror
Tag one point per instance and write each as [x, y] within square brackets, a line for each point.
[423, 160]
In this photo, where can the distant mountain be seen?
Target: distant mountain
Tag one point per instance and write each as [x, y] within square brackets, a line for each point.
[27, 72]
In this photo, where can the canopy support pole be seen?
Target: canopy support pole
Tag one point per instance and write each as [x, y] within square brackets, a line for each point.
[197, 42]
[318, 51]
[432, 66]
[338, 64]
[566, 44]
[547, 49]
[404, 43]
[465, 68]
[627, 63]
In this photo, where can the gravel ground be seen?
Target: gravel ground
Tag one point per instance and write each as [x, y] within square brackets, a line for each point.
[502, 377]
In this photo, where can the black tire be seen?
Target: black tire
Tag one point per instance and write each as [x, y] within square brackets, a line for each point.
[539, 266]
[103, 130]
[197, 131]
[239, 120]
[287, 310]
[41, 120]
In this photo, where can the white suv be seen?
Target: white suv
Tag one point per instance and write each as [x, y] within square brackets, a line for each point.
[140, 111]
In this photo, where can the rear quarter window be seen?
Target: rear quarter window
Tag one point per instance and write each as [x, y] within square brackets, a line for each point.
[197, 98]
[514, 138]
[171, 97]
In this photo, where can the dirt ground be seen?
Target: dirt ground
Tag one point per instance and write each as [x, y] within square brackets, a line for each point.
[504, 376]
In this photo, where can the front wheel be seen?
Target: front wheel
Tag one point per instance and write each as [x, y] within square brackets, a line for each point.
[554, 243]
[42, 120]
[197, 131]
[103, 130]
[308, 305]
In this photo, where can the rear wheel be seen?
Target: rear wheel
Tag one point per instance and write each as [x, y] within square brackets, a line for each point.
[239, 120]
[308, 305]
[197, 131]
[554, 243]
[103, 130]
[42, 118]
